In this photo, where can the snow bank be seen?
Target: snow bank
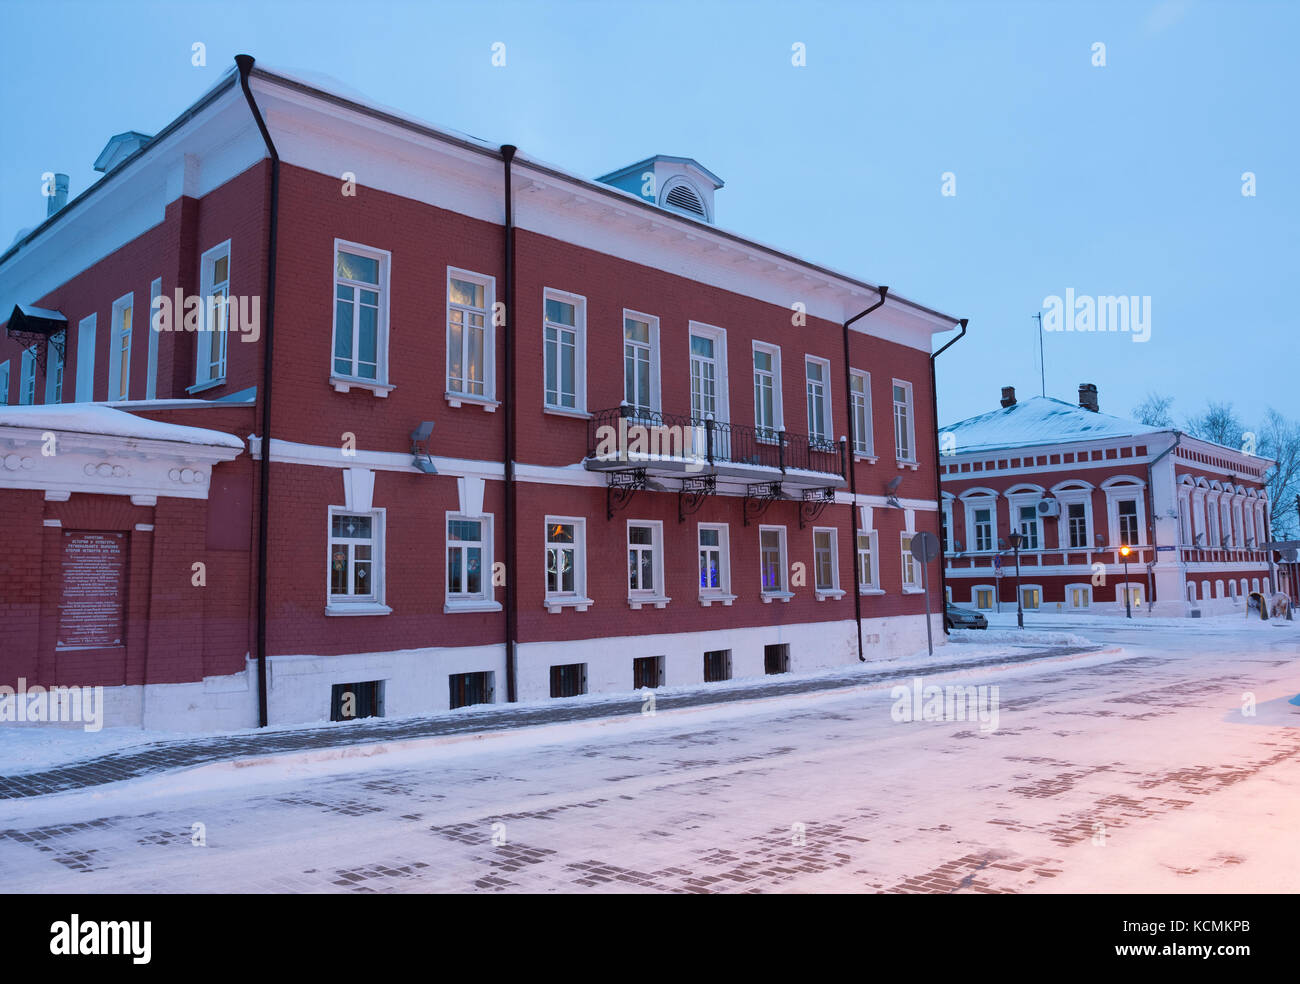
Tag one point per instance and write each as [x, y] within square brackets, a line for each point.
[82, 418]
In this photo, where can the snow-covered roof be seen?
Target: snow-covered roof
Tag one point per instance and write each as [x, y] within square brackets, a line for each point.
[1037, 421]
[84, 418]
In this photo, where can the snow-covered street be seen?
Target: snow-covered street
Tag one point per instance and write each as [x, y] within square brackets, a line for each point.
[1130, 771]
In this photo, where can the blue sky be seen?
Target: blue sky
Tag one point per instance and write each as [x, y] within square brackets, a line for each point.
[1122, 179]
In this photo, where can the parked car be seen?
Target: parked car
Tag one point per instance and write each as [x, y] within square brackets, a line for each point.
[963, 618]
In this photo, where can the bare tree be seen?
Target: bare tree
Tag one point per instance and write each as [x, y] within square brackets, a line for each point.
[1154, 411]
[1279, 439]
[1218, 424]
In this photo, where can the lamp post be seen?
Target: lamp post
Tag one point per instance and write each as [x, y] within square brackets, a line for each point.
[1015, 540]
[1128, 608]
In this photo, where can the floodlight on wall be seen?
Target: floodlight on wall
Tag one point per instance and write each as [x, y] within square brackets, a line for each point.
[891, 488]
[419, 449]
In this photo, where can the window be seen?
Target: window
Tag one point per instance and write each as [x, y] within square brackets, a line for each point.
[1076, 518]
[714, 564]
[903, 424]
[911, 576]
[1135, 594]
[565, 331]
[470, 335]
[569, 680]
[647, 671]
[151, 359]
[771, 550]
[467, 689]
[469, 559]
[1128, 522]
[355, 560]
[767, 391]
[776, 659]
[566, 576]
[984, 599]
[1030, 597]
[945, 525]
[868, 571]
[860, 411]
[214, 275]
[349, 701]
[819, 399]
[119, 348]
[1029, 527]
[640, 363]
[360, 313]
[4, 383]
[27, 380]
[704, 378]
[1079, 595]
[54, 366]
[984, 529]
[826, 574]
[717, 665]
[86, 359]
[645, 563]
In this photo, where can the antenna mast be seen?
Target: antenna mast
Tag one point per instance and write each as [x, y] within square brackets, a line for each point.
[1042, 365]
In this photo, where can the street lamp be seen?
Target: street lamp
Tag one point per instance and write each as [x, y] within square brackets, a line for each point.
[1015, 540]
[1128, 608]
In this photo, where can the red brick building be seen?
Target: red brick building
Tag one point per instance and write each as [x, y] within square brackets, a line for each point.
[1079, 484]
[530, 435]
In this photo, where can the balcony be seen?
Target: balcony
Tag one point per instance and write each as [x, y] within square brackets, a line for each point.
[681, 447]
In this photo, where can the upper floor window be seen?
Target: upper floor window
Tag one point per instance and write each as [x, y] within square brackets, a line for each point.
[903, 423]
[54, 366]
[767, 391]
[565, 336]
[983, 522]
[1128, 521]
[860, 411]
[214, 275]
[470, 335]
[1029, 527]
[819, 398]
[360, 313]
[1076, 518]
[640, 363]
[119, 349]
[27, 378]
[4, 383]
[86, 359]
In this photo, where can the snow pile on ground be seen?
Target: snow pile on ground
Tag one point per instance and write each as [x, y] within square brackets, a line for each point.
[1018, 637]
[29, 747]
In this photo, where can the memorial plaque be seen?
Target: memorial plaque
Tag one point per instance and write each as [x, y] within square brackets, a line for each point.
[92, 603]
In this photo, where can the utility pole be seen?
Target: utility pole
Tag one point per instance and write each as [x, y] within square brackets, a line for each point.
[1042, 365]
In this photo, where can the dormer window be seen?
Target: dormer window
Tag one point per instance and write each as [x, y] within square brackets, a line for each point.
[681, 197]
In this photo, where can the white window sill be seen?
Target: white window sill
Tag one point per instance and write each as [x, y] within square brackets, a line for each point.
[488, 404]
[343, 384]
[564, 412]
[870, 591]
[206, 385]
[357, 608]
[870, 459]
[913, 591]
[708, 599]
[907, 464]
[451, 607]
[768, 596]
[556, 604]
[834, 594]
[637, 603]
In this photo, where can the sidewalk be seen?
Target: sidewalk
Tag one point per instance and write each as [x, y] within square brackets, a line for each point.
[164, 756]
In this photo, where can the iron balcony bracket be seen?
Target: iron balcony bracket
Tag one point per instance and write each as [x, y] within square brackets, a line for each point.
[814, 503]
[693, 493]
[758, 497]
[621, 486]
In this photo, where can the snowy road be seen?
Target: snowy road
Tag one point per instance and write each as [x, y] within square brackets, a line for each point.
[1133, 774]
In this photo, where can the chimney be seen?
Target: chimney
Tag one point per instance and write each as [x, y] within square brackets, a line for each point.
[1008, 396]
[57, 200]
[1088, 396]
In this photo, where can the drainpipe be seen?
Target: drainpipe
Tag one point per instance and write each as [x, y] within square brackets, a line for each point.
[245, 64]
[508, 401]
[938, 474]
[1151, 512]
[852, 465]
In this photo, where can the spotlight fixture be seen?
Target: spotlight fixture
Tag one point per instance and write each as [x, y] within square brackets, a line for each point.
[419, 450]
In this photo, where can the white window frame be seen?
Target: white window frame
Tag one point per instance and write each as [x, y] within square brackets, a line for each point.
[721, 593]
[4, 383]
[344, 604]
[719, 338]
[910, 407]
[1041, 598]
[27, 378]
[1027, 500]
[85, 378]
[488, 399]
[653, 345]
[151, 367]
[972, 501]
[657, 596]
[1080, 586]
[871, 587]
[211, 321]
[949, 541]
[485, 600]
[1139, 588]
[778, 405]
[55, 382]
[380, 386]
[975, 590]
[116, 349]
[1074, 497]
[577, 598]
[834, 591]
[908, 563]
[782, 592]
[828, 437]
[864, 444]
[1135, 489]
[579, 329]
